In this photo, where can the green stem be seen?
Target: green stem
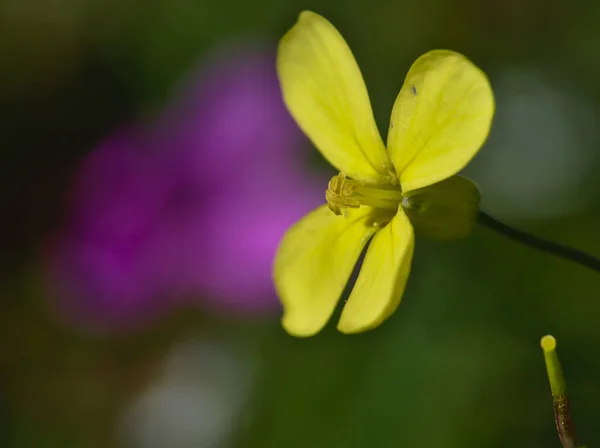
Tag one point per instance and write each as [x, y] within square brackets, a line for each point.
[560, 397]
[565, 252]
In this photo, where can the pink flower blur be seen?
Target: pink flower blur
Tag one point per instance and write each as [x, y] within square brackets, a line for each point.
[189, 208]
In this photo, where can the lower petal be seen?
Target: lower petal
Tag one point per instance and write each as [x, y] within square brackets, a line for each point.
[382, 279]
[313, 264]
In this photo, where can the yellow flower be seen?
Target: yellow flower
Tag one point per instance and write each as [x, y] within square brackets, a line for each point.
[439, 121]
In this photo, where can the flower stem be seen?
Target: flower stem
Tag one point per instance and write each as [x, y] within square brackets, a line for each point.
[560, 398]
[565, 252]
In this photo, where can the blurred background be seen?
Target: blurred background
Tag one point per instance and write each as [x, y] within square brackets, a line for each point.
[149, 169]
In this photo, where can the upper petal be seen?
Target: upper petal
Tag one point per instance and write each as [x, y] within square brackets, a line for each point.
[313, 264]
[382, 279]
[440, 119]
[325, 93]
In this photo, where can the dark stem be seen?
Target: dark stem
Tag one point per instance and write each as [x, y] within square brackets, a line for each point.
[568, 253]
[564, 421]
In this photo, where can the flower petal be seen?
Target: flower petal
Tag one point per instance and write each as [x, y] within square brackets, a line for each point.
[325, 93]
[440, 119]
[313, 264]
[382, 279]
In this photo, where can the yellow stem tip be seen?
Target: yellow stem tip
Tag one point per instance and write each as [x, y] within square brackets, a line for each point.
[548, 343]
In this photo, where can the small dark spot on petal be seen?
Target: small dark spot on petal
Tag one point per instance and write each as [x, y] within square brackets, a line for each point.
[414, 90]
[392, 125]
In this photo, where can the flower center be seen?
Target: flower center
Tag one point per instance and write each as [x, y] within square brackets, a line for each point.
[347, 193]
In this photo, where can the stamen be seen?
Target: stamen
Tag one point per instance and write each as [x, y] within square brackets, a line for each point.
[338, 194]
[345, 193]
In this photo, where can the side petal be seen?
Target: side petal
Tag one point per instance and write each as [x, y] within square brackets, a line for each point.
[325, 93]
[382, 278]
[440, 119]
[313, 264]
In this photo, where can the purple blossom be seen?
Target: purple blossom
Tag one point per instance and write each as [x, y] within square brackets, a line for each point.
[189, 208]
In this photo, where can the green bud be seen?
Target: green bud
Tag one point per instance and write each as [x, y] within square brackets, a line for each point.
[444, 211]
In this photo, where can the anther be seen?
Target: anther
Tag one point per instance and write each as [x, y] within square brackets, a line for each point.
[343, 193]
[338, 194]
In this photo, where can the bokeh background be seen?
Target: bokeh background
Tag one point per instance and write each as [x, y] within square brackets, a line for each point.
[148, 168]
